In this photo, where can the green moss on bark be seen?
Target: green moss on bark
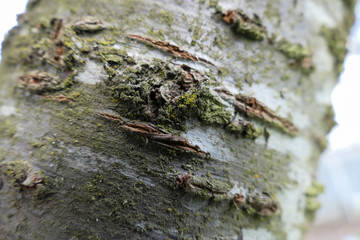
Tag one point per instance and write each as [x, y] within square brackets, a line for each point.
[110, 183]
[336, 39]
[294, 51]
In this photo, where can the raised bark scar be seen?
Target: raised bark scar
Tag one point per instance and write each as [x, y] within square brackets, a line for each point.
[196, 184]
[57, 38]
[251, 107]
[155, 134]
[110, 116]
[244, 25]
[170, 48]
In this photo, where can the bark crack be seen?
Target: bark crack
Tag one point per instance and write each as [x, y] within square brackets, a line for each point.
[170, 48]
[252, 107]
[155, 133]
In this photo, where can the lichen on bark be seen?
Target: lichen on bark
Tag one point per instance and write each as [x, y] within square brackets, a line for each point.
[132, 142]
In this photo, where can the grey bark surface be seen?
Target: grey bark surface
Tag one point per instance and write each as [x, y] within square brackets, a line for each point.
[107, 135]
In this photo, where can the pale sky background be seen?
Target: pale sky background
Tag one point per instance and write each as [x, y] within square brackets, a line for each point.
[346, 102]
[346, 95]
[8, 12]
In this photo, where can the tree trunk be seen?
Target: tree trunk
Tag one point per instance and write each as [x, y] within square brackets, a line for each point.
[166, 119]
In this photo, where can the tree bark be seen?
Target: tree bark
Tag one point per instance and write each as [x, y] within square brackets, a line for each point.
[166, 119]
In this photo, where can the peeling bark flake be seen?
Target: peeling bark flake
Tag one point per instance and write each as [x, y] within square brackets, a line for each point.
[161, 136]
[192, 77]
[39, 82]
[239, 198]
[88, 24]
[57, 23]
[229, 16]
[204, 187]
[183, 180]
[306, 64]
[259, 203]
[57, 38]
[170, 48]
[156, 134]
[110, 116]
[251, 107]
[244, 25]
[23, 173]
[60, 98]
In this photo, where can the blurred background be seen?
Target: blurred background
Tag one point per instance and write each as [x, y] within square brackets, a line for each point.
[339, 166]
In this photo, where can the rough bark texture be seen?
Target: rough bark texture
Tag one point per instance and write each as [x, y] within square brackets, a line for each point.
[166, 119]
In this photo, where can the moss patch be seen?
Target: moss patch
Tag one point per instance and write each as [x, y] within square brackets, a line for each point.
[211, 110]
[294, 51]
[7, 128]
[336, 39]
[244, 25]
[16, 171]
[244, 129]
